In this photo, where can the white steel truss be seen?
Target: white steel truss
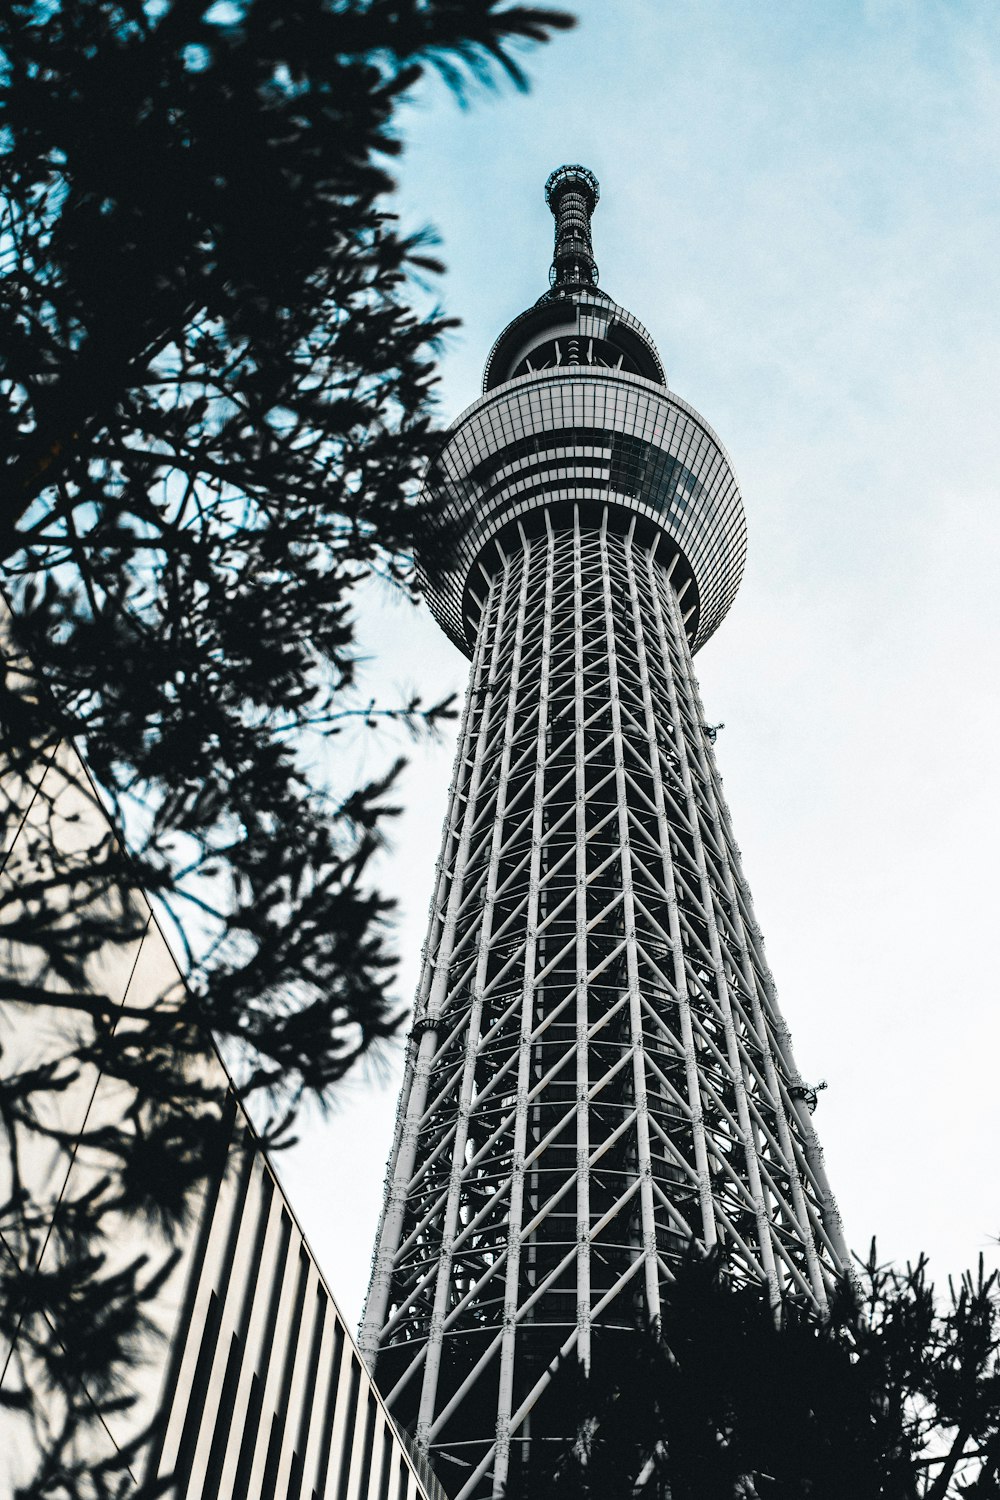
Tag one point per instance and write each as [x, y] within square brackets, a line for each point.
[598, 1074]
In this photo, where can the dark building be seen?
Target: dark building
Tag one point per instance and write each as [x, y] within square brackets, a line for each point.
[245, 1380]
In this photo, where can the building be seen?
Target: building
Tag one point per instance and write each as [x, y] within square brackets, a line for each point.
[246, 1380]
[598, 1073]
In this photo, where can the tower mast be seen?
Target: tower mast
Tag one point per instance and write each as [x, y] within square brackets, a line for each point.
[598, 1073]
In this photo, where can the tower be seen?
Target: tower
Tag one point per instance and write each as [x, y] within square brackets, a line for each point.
[598, 1072]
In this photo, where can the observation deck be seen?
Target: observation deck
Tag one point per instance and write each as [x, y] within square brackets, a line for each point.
[576, 413]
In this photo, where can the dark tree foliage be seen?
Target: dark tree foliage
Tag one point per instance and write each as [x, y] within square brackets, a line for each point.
[214, 403]
[894, 1396]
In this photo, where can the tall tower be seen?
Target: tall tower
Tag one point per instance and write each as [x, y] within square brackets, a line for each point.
[598, 1072]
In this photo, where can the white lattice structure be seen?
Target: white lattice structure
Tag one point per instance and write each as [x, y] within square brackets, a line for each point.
[598, 1073]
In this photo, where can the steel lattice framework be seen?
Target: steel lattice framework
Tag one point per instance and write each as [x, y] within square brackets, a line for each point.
[598, 1073]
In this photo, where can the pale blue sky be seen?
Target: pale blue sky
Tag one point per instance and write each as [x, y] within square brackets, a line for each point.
[801, 202]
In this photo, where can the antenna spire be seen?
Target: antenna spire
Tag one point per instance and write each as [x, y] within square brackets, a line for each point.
[572, 193]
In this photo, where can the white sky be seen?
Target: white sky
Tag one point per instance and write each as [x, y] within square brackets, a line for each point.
[801, 202]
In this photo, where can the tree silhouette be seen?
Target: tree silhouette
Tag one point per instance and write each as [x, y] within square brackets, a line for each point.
[894, 1396]
[215, 404]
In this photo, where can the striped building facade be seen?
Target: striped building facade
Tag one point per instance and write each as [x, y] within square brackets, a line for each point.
[247, 1382]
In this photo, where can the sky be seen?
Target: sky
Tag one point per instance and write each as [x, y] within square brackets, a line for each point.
[801, 201]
